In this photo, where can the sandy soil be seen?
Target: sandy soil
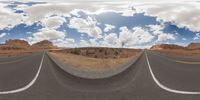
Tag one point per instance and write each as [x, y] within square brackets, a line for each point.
[88, 63]
[180, 52]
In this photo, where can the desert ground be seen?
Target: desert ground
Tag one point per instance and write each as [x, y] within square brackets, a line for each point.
[96, 59]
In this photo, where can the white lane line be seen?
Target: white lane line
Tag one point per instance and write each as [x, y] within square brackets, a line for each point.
[28, 85]
[164, 87]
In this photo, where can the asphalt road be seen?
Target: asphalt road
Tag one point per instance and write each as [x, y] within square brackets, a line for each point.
[151, 77]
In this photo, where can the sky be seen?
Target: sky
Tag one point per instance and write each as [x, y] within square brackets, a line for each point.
[137, 24]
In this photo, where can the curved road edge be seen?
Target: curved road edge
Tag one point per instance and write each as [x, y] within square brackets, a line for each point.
[94, 75]
[29, 84]
[163, 86]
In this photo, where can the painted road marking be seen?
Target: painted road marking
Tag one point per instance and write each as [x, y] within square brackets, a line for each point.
[186, 62]
[28, 85]
[165, 87]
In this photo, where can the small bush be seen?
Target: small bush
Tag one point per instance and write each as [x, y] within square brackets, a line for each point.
[76, 51]
[101, 50]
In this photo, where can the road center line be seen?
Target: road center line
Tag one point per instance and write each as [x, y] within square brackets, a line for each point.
[28, 85]
[165, 87]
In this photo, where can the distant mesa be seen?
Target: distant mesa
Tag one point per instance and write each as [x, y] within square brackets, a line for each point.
[17, 44]
[191, 46]
[45, 44]
[166, 46]
[194, 46]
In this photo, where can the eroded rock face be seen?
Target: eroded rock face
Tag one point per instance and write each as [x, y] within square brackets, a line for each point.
[17, 42]
[24, 45]
[15, 45]
[45, 44]
[194, 46]
[166, 46]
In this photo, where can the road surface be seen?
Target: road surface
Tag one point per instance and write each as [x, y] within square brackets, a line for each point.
[151, 77]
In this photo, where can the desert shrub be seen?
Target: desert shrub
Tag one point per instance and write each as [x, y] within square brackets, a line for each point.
[76, 51]
[116, 53]
[95, 56]
[105, 52]
[101, 50]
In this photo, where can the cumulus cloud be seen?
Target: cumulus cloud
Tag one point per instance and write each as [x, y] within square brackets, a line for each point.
[130, 11]
[88, 26]
[37, 12]
[8, 18]
[67, 42]
[111, 38]
[46, 34]
[157, 30]
[108, 27]
[164, 37]
[83, 43]
[197, 36]
[2, 35]
[53, 22]
[135, 36]
[181, 14]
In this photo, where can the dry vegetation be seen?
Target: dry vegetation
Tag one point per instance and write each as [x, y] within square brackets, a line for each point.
[101, 52]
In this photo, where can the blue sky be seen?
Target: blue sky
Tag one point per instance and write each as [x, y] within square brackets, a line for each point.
[106, 24]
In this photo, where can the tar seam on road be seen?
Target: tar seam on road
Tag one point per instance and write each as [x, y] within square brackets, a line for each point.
[164, 87]
[28, 85]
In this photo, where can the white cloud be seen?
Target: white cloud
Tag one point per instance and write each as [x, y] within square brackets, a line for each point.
[157, 30]
[136, 36]
[108, 27]
[8, 18]
[37, 12]
[67, 42]
[130, 11]
[111, 38]
[197, 36]
[184, 39]
[87, 26]
[53, 22]
[83, 43]
[164, 37]
[182, 14]
[94, 43]
[2, 35]
[46, 34]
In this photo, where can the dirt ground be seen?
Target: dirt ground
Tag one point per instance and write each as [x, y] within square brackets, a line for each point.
[180, 52]
[89, 63]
